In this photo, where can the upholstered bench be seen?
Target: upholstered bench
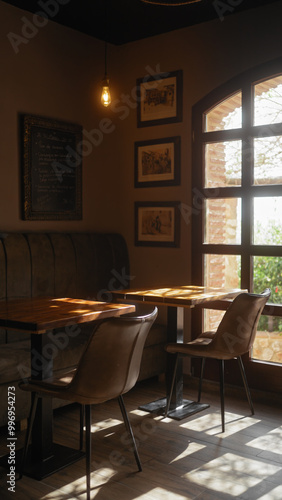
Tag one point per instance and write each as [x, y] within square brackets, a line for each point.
[79, 265]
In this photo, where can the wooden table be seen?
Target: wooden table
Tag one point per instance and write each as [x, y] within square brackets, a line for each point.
[176, 299]
[38, 316]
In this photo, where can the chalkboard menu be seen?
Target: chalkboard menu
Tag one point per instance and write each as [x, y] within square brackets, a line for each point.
[52, 169]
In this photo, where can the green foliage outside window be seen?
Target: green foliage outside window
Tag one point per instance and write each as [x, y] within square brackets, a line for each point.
[268, 274]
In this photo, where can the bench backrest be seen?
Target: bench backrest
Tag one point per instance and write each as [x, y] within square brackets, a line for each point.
[82, 265]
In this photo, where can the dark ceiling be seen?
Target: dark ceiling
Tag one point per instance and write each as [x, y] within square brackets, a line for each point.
[129, 20]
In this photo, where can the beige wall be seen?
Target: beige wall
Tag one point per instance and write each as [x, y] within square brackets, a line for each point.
[209, 54]
[58, 73]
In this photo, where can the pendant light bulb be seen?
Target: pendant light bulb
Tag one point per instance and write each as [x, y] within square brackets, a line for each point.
[106, 95]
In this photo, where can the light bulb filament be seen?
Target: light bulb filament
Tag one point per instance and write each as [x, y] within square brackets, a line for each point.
[106, 96]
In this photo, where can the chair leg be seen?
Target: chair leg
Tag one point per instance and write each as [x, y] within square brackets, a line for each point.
[88, 449]
[81, 424]
[243, 373]
[201, 378]
[129, 430]
[28, 432]
[172, 385]
[221, 378]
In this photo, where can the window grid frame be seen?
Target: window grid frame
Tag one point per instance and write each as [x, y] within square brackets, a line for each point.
[246, 191]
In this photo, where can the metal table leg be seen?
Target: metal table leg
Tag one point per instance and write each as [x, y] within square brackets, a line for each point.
[179, 408]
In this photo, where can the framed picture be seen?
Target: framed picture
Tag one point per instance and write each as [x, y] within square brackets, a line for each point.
[157, 223]
[52, 169]
[160, 99]
[157, 162]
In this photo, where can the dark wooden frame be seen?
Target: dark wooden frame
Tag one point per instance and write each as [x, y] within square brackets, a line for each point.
[175, 180]
[261, 375]
[159, 80]
[158, 242]
[51, 169]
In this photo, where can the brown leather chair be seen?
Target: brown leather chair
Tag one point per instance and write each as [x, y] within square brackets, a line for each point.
[108, 368]
[234, 337]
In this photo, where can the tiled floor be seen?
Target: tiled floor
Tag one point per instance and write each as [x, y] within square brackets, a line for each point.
[188, 459]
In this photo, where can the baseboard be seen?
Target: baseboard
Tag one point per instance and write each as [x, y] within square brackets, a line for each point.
[271, 398]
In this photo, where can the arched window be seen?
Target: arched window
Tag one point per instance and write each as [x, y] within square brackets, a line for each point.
[237, 204]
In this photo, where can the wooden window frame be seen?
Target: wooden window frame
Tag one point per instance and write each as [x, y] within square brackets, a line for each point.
[261, 375]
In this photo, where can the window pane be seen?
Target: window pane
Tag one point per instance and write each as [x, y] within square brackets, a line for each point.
[267, 221]
[220, 271]
[268, 341]
[268, 274]
[223, 164]
[268, 160]
[226, 115]
[223, 221]
[268, 101]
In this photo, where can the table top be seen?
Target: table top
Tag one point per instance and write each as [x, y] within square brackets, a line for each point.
[183, 296]
[37, 315]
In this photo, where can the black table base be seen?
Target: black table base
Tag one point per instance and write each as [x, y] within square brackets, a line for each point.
[186, 409]
[62, 457]
[180, 407]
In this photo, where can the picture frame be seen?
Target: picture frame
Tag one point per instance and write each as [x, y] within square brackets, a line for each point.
[157, 223]
[51, 169]
[160, 99]
[157, 162]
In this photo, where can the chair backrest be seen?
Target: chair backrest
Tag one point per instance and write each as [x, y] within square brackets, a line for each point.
[237, 330]
[111, 361]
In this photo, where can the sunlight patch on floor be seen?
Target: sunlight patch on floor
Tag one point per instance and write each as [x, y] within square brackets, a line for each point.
[105, 424]
[190, 450]
[274, 494]
[137, 411]
[240, 464]
[162, 494]
[215, 483]
[232, 473]
[211, 424]
[202, 423]
[233, 424]
[77, 489]
[272, 441]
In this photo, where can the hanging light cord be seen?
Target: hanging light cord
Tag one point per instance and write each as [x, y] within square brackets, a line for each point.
[106, 95]
[106, 38]
[106, 48]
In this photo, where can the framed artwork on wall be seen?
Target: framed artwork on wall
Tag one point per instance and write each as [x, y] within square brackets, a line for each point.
[157, 162]
[157, 223]
[51, 169]
[160, 99]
